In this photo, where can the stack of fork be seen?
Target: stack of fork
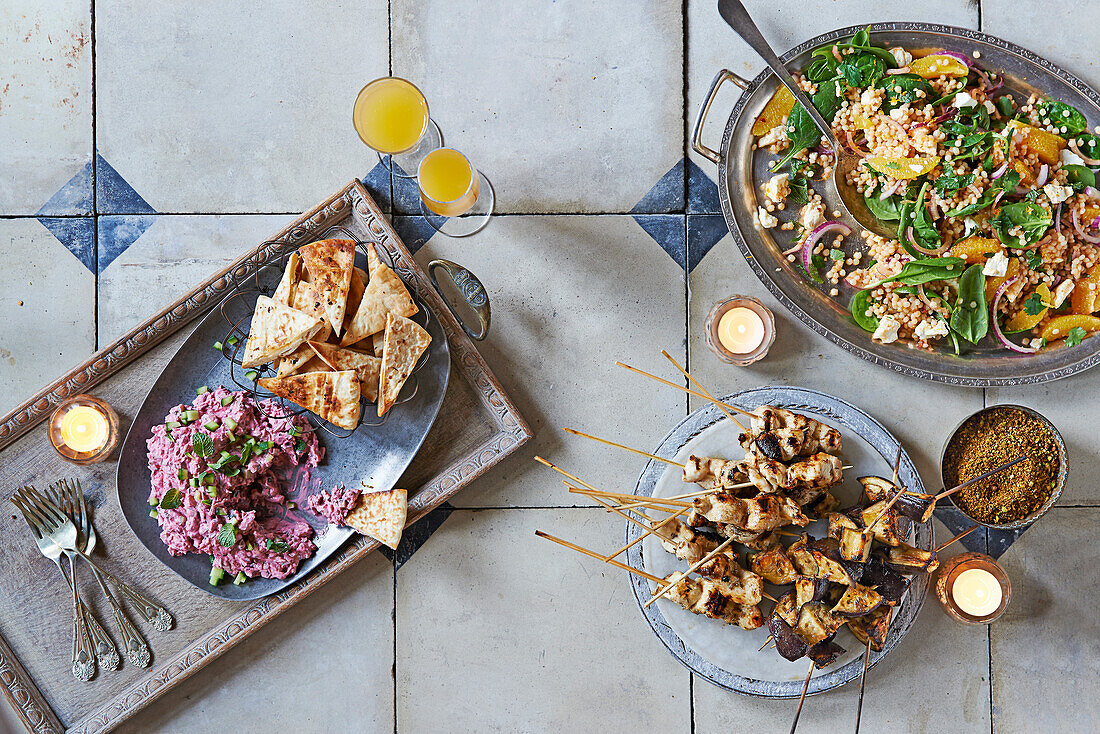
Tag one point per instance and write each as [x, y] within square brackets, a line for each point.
[61, 524]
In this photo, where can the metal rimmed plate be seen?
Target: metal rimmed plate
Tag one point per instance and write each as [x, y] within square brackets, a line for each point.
[377, 452]
[728, 656]
[740, 172]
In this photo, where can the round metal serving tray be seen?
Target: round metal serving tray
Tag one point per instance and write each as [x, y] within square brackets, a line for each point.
[985, 365]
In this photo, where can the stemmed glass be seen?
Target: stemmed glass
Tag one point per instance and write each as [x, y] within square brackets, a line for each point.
[455, 198]
[391, 116]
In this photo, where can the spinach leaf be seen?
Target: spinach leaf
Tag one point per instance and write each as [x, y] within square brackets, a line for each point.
[817, 264]
[886, 209]
[902, 89]
[1006, 105]
[799, 182]
[861, 302]
[949, 183]
[1059, 115]
[970, 317]
[924, 229]
[862, 42]
[1032, 219]
[1089, 145]
[917, 272]
[861, 69]
[983, 201]
[801, 130]
[823, 65]
[1079, 177]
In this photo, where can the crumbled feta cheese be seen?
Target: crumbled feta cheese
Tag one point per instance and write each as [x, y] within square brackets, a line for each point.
[767, 219]
[996, 266]
[963, 100]
[1061, 293]
[903, 57]
[870, 97]
[887, 330]
[930, 329]
[971, 225]
[777, 188]
[812, 215]
[990, 107]
[777, 134]
[1057, 193]
[897, 113]
[1069, 158]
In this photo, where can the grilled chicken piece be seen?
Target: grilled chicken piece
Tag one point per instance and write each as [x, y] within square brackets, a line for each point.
[874, 626]
[713, 473]
[820, 470]
[706, 597]
[684, 542]
[754, 539]
[740, 585]
[774, 566]
[856, 601]
[816, 622]
[764, 512]
[818, 436]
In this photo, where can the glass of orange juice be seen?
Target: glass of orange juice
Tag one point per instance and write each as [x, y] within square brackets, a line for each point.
[391, 116]
[455, 198]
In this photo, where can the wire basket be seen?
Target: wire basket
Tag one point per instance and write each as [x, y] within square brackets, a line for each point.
[244, 299]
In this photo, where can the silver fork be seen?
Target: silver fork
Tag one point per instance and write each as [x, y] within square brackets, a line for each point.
[61, 529]
[83, 654]
[72, 503]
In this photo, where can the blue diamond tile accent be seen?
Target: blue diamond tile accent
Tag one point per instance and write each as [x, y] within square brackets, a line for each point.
[377, 182]
[704, 232]
[75, 197]
[415, 536]
[114, 195]
[667, 195]
[702, 192]
[117, 233]
[406, 195]
[77, 234]
[956, 522]
[667, 230]
[413, 231]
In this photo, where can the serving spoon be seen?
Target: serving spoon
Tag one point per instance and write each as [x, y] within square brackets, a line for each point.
[735, 14]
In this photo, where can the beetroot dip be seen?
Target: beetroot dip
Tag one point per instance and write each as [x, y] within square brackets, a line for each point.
[236, 450]
[333, 505]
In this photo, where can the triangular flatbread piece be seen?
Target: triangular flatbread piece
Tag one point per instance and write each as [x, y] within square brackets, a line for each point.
[405, 341]
[378, 341]
[366, 366]
[276, 330]
[385, 293]
[330, 263]
[306, 299]
[290, 279]
[355, 294]
[332, 395]
[381, 515]
[373, 262]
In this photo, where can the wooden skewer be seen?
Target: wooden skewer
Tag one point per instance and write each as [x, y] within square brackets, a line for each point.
[625, 448]
[862, 683]
[980, 477]
[564, 473]
[649, 529]
[594, 554]
[661, 592]
[960, 536]
[802, 698]
[689, 495]
[618, 496]
[766, 643]
[897, 465]
[688, 390]
[652, 503]
[899, 493]
[711, 398]
[769, 597]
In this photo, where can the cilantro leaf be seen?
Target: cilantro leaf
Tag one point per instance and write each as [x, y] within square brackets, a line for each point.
[1074, 337]
[1034, 305]
[171, 499]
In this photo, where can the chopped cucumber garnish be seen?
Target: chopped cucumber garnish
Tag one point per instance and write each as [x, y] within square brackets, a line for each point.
[216, 576]
[240, 579]
[230, 424]
[220, 512]
[153, 514]
[232, 341]
[212, 425]
[201, 390]
[252, 375]
[189, 415]
[227, 400]
[291, 505]
[218, 346]
[172, 424]
[153, 501]
[183, 474]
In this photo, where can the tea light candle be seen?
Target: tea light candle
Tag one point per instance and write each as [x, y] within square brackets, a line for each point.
[740, 330]
[972, 588]
[84, 429]
[976, 592]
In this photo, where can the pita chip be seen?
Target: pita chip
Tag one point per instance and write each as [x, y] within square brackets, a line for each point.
[289, 280]
[381, 515]
[377, 342]
[385, 293]
[332, 395]
[355, 294]
[405, 341]
[373, 262]
[366, 366]
[276, 331]
[330, 264]
[306, 299]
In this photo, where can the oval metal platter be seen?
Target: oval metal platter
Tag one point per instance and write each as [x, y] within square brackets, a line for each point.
[377, 452]
[726, 655]
[740, 172]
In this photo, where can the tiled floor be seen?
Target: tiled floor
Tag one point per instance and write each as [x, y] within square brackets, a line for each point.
[214, 122]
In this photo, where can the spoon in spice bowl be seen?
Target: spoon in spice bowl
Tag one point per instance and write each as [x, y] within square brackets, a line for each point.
[845, 161]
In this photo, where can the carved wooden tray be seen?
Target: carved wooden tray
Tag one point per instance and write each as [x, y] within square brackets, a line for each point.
[477, 427]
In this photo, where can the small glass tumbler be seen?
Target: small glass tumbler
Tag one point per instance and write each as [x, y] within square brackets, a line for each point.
[391, 116]
[740, 330]
[455, 198]
[84, 429]
[962, 597]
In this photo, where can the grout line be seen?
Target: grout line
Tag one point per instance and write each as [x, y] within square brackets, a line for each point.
[95, 187]
[684, 94]
[980, 18]
[394, 644]
[298, 213]
[989, 653]
[691, 699]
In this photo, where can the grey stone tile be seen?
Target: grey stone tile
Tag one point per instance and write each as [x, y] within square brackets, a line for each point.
[215, 107]
[713, 45]
[919, 412]
[1062, 33]
[169, 257]
[1046, 647]
[46, 107]
[324, 665]
[47, 296]
[1071, 408]
[501, 631]
[935, 680]
[566, 107]
[570, 296]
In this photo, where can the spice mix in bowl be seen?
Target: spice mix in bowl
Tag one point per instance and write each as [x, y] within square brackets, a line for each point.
[1019, 495]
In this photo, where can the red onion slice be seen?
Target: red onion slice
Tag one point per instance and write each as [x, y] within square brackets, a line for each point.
[1000, 335]
[1081, 230]
[817, 234]
[1041, 179]
[956, 55]
[927, 251]
[1091, 161]
[999, 172]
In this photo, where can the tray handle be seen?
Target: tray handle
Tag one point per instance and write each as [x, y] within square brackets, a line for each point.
[723, 75]
[473, 293]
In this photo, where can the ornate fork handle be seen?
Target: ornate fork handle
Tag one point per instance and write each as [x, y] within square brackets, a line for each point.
[105, 652]
[154, 614]
[137, 649]
[83, 654]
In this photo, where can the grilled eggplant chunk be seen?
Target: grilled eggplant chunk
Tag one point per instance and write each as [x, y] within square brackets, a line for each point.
[885, 527]
[787, 608]
[816, 622]
[808, 590]
[801, 558]
[774, 566]
[831, 564]
[857, 601]
[855, 545]
[907, 559]
[787, 642]
[874, 626]
[914, 508]
[825, 652]
[890, 584]
[838, 521]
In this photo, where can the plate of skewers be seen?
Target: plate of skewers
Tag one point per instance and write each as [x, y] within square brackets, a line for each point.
[805, 530]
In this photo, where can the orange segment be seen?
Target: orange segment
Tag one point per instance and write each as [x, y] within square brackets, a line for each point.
[994, 282]
[975, 249]
[778, 107]
[904, 168]
[937, 65]
[1047, 146]
[1027, 178]
[1086, 294]
[1023, 321]
[1059, 326]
